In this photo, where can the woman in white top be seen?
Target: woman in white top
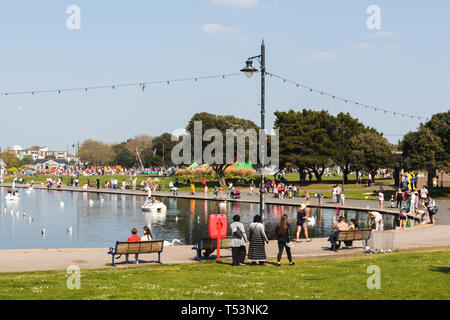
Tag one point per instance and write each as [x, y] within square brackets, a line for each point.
[147, 234]
[378, 220]
[381, 199]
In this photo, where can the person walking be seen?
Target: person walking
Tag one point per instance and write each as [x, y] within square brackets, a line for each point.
[381, 199]
[399, 198]
[432, 209]
[257, 239]
[238, 241]
[301, 223]
[412, 207]
[338, 194]
[283, 235]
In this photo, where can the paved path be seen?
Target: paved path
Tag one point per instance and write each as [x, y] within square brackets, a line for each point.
[59, 259]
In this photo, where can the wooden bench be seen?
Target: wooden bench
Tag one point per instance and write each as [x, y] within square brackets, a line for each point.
[141, 247]
[209, 246]
[355, 235]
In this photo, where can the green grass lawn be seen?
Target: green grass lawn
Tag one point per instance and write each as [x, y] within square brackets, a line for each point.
[406, 275]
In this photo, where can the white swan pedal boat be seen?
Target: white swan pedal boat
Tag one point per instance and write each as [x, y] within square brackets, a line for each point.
[154, 206]
[12, 197]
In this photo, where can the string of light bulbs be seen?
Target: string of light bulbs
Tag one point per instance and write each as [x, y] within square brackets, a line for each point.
[144, 85]
[141, 85]
[349, 101]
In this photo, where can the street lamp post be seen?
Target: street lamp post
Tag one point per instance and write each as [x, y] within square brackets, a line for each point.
[343, 157]
[249, 70]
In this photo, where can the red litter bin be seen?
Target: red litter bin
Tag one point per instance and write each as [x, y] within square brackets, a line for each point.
[217, 229]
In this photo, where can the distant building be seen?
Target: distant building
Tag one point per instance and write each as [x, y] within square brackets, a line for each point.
[44, 164]
[42, 153]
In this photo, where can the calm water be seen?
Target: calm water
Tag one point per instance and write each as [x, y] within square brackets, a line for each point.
[100, 224]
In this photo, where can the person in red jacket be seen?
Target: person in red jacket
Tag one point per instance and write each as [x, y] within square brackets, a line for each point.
[134, 238]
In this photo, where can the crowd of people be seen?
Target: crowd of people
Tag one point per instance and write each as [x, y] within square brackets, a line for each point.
[417, 203]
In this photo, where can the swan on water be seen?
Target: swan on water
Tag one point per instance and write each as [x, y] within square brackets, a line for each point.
[311, 221]
[69, 230]
[30, 219]
[43, 231]
[171, 244]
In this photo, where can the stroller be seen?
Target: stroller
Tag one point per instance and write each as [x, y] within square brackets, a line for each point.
[235, 194]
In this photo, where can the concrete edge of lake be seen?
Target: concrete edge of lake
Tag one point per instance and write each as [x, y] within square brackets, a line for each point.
[28, 260]
[352, 204]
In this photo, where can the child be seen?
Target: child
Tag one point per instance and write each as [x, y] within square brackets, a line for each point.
[392, 201]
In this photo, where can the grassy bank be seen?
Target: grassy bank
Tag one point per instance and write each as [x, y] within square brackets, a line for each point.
[406, 275]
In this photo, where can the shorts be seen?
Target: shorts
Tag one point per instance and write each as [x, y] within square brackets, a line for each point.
[301, 223]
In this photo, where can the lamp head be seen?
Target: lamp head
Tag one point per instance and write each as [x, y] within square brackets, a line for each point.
[249, 70]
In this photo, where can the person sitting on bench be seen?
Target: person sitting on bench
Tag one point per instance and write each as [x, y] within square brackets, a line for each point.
[339, 226]
[134, 238]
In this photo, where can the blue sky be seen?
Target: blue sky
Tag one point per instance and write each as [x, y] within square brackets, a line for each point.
[324, 44]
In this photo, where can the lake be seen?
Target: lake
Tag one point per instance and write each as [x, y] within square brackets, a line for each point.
[98, 223]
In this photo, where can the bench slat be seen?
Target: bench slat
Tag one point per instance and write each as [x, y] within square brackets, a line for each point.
[139, 247]
[355, 235]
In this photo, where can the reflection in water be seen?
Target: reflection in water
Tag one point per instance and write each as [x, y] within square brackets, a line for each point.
[100, 223]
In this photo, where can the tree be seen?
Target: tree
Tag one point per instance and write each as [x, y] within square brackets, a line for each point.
[428, 147]
[306, 140]
[421, 149]
[440, 127]
[370, 151]
[141, 141]
[162, 149]
[346, 128]
[96, 153]
[123, 156]
[10, 159]
[222, 124]
[26, 160]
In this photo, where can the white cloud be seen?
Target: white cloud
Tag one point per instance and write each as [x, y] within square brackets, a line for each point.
[365, 46]
[322, 55]
[236, 3]
[216, 28]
